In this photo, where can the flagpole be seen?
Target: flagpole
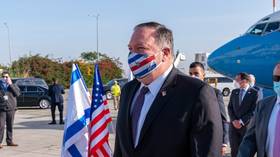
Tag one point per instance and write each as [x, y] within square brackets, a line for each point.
[273, 5]
[97, 34]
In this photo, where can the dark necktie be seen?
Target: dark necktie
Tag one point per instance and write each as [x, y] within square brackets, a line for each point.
[241, 95]
[137, 110]
[276, 146]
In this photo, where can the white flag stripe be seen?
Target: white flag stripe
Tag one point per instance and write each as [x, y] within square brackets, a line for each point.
[99, 153]
[98, 124]
[99, 137]
[97, 111]
[107, 147]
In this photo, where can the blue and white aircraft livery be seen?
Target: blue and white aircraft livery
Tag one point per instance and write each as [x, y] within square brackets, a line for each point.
[256, 52]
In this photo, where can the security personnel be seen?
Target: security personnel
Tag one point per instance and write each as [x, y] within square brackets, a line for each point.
[116, 92]
[55, 92]
[8, 105]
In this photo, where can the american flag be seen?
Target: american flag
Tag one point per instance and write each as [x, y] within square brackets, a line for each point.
[99, 120]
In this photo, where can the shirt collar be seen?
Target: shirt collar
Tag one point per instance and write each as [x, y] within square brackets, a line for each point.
[278, 100]
[246, 88]
[155, 86]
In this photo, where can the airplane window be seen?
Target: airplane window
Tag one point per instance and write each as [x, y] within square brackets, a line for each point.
[271, 27]
[258, 29]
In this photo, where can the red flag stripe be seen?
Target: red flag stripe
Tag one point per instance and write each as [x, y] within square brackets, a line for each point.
[98, 131]
[97, 118]
[104, 152]
[99, 144]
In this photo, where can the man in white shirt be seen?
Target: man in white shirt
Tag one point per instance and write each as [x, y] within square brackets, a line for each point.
[241, 107]
[263, 135]
[163, 112]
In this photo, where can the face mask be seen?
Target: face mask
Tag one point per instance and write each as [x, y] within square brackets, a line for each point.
[194, 76]
[142, 65]
[236, 84]
[276, 87]
[251, 84]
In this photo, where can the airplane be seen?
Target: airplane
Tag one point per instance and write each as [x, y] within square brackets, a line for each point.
[255, 52]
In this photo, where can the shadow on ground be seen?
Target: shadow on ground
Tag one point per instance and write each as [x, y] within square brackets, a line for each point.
[43, 124]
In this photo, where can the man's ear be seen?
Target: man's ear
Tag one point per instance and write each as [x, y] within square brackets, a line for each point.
[166, 53]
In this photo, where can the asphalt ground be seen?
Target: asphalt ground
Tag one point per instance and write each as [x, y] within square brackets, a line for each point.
[36, 138]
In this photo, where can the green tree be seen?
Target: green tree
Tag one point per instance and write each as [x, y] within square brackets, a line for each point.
[110, 68]
[46, 68]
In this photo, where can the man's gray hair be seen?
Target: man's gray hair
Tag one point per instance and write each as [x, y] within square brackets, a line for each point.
[163, 35]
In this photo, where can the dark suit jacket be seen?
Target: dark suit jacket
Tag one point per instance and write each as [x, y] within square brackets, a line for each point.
[244, 111]
[12, 92]
[256, 136]
[55, 92]
[223, 115]
[184, 122]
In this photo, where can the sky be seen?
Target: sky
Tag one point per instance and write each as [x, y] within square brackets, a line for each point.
[64, 28]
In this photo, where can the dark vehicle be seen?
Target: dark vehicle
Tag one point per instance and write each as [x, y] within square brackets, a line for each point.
[34, 92]
[107, 87]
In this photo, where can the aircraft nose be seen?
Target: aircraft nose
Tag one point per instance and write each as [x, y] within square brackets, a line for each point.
[215, 60]
[223, 59]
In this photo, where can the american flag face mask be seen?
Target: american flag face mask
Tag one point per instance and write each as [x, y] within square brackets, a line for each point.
[141, 64]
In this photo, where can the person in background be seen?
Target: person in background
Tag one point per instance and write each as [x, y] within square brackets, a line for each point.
[241, 107]
[252, 82]
[196, 69]
[8, 105]
[116, 92]
[163, 112]
[55, 92]
[263, 135]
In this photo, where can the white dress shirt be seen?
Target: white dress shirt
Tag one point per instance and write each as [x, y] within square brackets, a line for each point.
[271, 128]
[154, 88]
[244, 93]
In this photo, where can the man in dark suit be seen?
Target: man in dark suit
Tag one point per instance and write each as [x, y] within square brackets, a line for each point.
[163, 112]
[8, 105]
[241, 106]
[55, 92]
[262, 136]
[196, 69]
[252, 82]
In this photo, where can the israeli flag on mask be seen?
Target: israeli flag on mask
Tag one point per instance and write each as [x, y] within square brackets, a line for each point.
[75, 138]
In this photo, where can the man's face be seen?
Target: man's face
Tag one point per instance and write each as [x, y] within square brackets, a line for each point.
[5, 77]
[242, 83]
[197, 72]
[276, 73]
[142, 41]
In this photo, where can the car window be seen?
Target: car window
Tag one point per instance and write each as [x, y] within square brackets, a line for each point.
[40, 89]
[110, 83]
[31, 89]
[224, 80]
[22, 88]
[271, 27]
[122, 82]
[258, 29]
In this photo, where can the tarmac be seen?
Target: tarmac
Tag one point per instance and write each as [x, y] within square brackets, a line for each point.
[36, 138]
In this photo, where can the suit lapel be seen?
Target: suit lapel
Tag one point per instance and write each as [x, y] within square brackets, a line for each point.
[164, 94]
[266, 117]
[246, 96]
[236, 99]
[130, 95]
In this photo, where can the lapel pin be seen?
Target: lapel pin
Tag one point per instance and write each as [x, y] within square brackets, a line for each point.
[163, 93]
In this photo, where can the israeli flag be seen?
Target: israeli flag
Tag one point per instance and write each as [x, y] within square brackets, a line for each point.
[75, 138]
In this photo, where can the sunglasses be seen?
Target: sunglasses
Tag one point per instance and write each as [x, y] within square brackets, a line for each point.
[276, 78]
[5, 77]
